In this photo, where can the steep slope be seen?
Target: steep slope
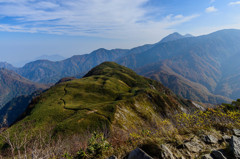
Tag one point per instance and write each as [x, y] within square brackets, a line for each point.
[13, 85]
[201, 60]
[109, 96]
[45, 71]
[180, 85]
[13, 110]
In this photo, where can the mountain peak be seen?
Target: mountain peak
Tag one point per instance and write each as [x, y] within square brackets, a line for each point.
[174, 36]
[7, 66]
[112, 69]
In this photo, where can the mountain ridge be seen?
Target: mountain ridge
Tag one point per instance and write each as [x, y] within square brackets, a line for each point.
[202, 60]
[101, 99]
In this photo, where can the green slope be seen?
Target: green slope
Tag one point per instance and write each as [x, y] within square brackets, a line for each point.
[109, 96]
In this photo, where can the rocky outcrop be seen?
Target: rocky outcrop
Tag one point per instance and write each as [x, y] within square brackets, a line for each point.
[212, 145]
[112, 157]
[166, 153]
[207, 156]
[236, 132]
[235, 146]
[193, 146]
[138, 154]
[210, 139]
[217, 155]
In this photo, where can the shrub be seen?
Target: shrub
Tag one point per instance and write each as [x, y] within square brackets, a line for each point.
[97, 145]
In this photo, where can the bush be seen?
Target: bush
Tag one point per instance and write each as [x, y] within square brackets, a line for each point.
[97, 145]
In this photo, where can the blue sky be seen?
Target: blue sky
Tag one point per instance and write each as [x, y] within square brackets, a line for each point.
[31, 28]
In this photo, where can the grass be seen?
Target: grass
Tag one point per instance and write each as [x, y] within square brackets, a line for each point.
[110, 97]
[91, 102]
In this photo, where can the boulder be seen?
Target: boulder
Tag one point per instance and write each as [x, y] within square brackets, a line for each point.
[217, 155]
[138, 154]
[236, 132]
[235, 146]
[206, 156]
[193, 146]
[226, 138]
[166, 153]
[210, 139]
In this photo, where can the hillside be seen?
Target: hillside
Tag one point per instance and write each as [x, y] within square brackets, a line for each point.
[110, 96]
[181, 85]
[13, 85]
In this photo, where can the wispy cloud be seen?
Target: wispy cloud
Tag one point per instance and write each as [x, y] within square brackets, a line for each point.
[212, 1]
[101, 18]
[211, 9]
[234, 3]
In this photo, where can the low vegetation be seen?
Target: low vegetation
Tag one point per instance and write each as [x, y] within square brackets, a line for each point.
[102, 144]
[110, 111]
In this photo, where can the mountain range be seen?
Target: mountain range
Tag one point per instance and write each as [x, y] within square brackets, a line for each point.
[200, 68]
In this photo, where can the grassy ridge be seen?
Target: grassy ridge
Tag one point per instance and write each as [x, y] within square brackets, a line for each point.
[108, 95]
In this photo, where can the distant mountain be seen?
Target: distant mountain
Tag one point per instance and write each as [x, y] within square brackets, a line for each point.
[7, 66]
[13, 85]
[109, 97]
[174, 36]
[50, 58]
[207, 66]
[210, 61]
[45, 71]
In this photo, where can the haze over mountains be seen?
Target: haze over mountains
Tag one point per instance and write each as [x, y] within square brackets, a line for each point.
[202, 68]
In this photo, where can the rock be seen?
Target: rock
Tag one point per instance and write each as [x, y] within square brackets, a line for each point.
[226, 138]
[112, 157]
[236, 132]
[217, 155]
[209, 139]
[166, 153]
[235, 146]
[206, 156]
[193, 146]
[138, 154]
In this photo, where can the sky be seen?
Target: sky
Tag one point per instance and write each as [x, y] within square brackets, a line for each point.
[31, 28]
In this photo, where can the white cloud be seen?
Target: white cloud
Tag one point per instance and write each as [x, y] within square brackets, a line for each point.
[100, 18]
[212, 1]
[179, 16]
[234, 3]
[211, 9]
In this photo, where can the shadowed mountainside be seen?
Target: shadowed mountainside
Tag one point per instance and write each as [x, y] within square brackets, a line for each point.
[13, 85]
